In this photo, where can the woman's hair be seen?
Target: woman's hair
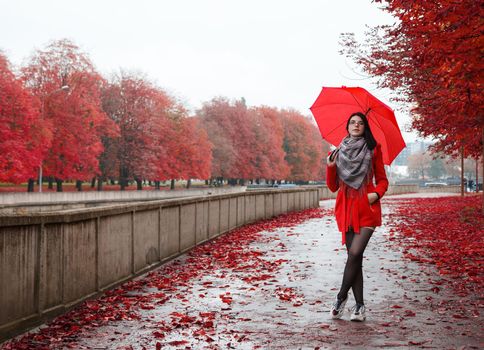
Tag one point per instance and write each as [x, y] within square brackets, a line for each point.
[370, 140]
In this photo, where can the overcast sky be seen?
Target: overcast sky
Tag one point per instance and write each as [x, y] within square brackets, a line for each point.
[276, 53]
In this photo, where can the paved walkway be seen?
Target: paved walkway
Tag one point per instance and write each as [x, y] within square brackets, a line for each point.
[290, 308]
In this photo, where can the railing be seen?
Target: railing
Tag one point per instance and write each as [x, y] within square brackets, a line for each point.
[325, 193]
[58, 198]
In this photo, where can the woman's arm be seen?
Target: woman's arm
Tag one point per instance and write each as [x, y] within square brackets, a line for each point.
[380, 174]
[332, 176]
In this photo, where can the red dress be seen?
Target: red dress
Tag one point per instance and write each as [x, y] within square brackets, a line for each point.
[352, 206]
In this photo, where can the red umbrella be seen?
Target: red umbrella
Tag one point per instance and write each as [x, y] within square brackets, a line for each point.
[334, 105]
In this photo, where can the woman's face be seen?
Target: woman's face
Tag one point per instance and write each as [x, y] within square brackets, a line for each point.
[356, 127]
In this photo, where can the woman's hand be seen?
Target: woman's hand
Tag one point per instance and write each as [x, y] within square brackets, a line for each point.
[372, 197]
[332, 162]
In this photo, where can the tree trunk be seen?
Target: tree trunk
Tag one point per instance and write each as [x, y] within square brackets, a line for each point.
[172, 185]
[79, 185]
[100, 183]
[477, 173]
[157, 185]
[206, 182]
[30, 185]
[139, 184]
[462, 171]
[59, 184]
[482, 157]
[122, 177]
[93, 182]
[189, 183]
[51, 183]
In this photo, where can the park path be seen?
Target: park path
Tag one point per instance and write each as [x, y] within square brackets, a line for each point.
[279, 295]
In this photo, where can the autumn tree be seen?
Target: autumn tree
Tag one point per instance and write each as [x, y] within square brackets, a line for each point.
[23, 138]
[432, 57]
[436, 170]
[261, 143]
[269, 161]
[68, 87]
[419, 165]
[137, 108]
[303, 146]
[229, 130]
[452, 167]
[193, 151]
[214, 118]
[157, 140]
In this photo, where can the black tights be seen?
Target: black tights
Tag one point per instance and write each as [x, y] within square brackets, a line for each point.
[353, 274]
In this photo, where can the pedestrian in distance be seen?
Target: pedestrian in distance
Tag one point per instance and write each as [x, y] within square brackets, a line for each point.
[351, 169]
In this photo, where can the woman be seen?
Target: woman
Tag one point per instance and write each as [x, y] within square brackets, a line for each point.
[351, 169]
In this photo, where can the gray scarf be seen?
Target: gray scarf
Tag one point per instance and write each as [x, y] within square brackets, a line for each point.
[353, 161]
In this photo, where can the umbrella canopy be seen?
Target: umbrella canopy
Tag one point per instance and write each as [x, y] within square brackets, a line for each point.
[334, 106]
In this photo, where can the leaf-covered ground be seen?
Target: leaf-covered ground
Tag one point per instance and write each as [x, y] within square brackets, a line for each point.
[270, 285]
[447, 232]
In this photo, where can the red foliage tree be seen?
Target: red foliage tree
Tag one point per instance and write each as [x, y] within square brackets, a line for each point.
[433, 56]
[231, 135]
[184, 151]
[157, 140]
[66, 83]
[138, 108]
[269, 141]
[303, 146]
[243, 139]
[193, 151]
[23, 139]
[261, 142]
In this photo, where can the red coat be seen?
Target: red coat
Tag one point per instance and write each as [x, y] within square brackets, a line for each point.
[355, 210]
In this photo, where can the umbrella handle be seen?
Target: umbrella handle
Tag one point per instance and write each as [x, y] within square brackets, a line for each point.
[333, 154]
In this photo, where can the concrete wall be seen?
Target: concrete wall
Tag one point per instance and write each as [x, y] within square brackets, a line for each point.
[55, 200]
[325, 193]
[445, 189]
[50, 262]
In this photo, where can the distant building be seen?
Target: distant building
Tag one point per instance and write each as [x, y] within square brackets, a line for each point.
[419, 147]
[412, 148]
[402, 158]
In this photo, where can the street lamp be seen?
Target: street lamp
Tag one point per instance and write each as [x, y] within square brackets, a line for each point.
[62, 88]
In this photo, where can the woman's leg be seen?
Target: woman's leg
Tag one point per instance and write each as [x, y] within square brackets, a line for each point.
[353, 274]
[358, 283]
[357, 286]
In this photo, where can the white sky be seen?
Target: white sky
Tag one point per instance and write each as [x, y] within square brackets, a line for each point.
[276, 53]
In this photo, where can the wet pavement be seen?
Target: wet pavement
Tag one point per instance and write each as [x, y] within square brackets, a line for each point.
[288, 306]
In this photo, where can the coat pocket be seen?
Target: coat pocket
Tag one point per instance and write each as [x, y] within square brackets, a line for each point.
[370, 205]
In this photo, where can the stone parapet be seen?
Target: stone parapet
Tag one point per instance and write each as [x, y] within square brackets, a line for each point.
[52, 261]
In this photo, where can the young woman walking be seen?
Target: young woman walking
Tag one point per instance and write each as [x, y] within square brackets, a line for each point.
[351, 168]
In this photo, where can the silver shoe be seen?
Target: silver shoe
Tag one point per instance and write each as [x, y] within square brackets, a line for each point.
[338, 308]
[358, 313]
